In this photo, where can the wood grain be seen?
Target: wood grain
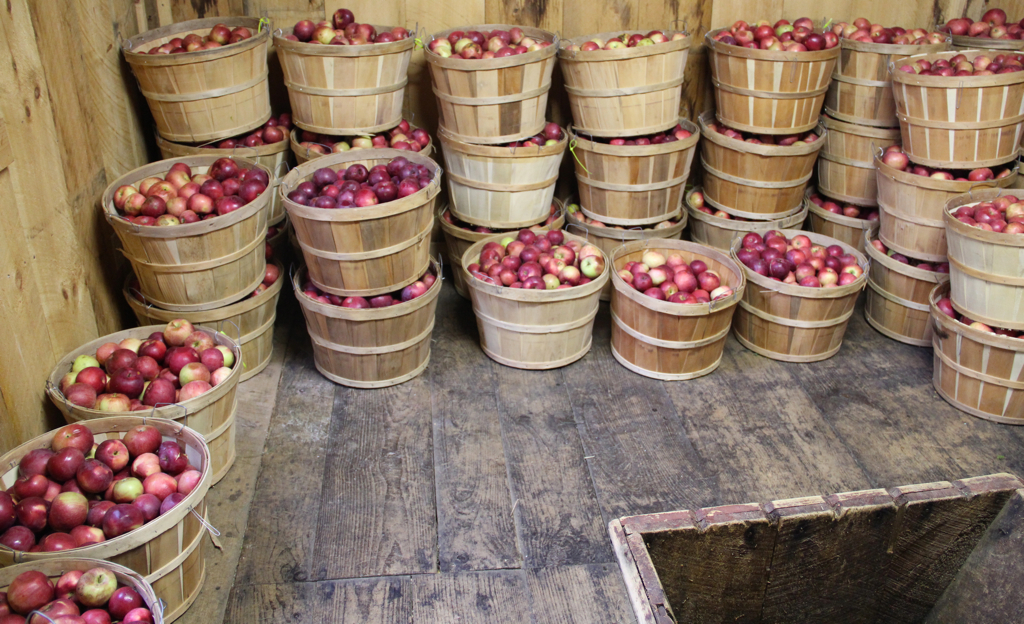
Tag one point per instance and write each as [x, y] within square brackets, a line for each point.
[495, 597]
[588, 594]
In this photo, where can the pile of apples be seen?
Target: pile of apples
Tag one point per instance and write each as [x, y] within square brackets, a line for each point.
[855, 212]
[551, 135]
[180, 197]
[946, 307]
[672, 279]
[696, 199]
[274, 131]
[469, 227]
[798, 260]
[992, 26]
[782, 140]
[172, 366]
[679, 133]
[895, 158]
[343, 30]
[574, 209]
[938, 267]
[800, 36]
[626, 41]
[78, 493]
[538, 261]
[410, 292]
[402, 137]
[90, 597]
[1003, 214]
[486, 45]
[360, 187]
[220, 35]
[960, 65]
[863, 30]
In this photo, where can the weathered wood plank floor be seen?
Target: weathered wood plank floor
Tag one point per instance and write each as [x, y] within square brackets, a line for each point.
[479, 493]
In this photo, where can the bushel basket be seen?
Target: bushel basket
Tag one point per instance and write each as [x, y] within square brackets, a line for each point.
[718, 232]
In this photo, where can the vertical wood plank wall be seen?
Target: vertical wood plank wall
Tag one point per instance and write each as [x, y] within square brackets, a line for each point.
[71, 119]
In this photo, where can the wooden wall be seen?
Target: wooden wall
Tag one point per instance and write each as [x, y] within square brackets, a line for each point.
[71, 120]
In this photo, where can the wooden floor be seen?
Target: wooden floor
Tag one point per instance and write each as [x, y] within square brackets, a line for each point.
[480, 493]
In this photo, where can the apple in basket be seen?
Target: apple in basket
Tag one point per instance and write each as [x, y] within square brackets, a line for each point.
[854, 212]
[861, 29]
[799, 36]
[219, 35]
[359, 187]
[946, 307]
[538, 260]
[798, 261]
[625, 40]
[1003, 214]
[783, 140]
[992, 25]
[668, 277]
[474, 44]
[343, 30]
[959, 65]
[412, 291]
[274, 131]
[402, 136]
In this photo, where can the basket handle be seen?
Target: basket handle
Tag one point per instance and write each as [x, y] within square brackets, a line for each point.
[52, 388]
[33, 614]
[440, 267]
[277, 169]
[672, 26]
[582, 228]
[238, 330]
[214, 533]
[938, 330]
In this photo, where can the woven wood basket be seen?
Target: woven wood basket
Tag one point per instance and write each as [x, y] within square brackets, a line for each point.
[625, 92]
[665, 340]
[458, 240]
[753, 181]
[910, 209]
[489, 101]
[364, 251]
[610, 239]
[633, 185]
[167, 551]
[986, 44]
[719, 233]
[851, 230]
[250, 322]
[986, 269]
[898, 300]
[861, 89]
[345, 89]
[373, 347]
[279, 242]
[533, 329]
[195, 266]
[959, 122]
[304, 154]
[975, 371]
[205, 95]
[768, 91]
[846, 169]
[501, 187]
[794, 323]
[212, 414]
[55, 568]
[274, 157]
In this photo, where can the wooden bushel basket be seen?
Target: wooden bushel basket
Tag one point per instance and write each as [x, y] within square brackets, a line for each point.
[364, 251]
[853, 231]
[975, 371]
[250, 321]
[55, 568]
[345, 89]
[846, 169]
[194, 266]
[666, 340]
[273, 156]
[279, 242]
[534, 329]
[986, 269]
[910, 209]
[458, 240]
[166, 551]
[769, 91]
[372, 347]
[212, 414]
[633, 185]
[304, 154]
[205, 95]
[898, 299]
[985, 44]
[861, 89]
[959, 122]
[489, 101]
[610, 239]
[501, 187]
[719, 233]
[794, 323]
[625, 92]
[756, 181]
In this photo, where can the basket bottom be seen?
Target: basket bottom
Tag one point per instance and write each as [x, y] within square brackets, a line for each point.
[1003, 420]
[384, 383]
[664, 376]
[888, 333]
[539, 365]
[785, 357]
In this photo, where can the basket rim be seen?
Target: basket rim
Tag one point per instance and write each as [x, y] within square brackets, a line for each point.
[589, 144]
[199, 228]
[977, 43]
[367, 314]
[808, 292]
[205, 150]
[534, 296]
[934, 184]
[668, 307]
[591, 56]
[158, 525]
[995, 238]
[903, 269]
[761, 149]
[718, 221]
[853, 222]
[448, 141]
[845, 127]
[977, 335]
[768, 55]
[893, 48]
[260, 37]
[457, 232]
[295, 144]
[306, 48]
[459, 63]
[951, 82]
[572, 219]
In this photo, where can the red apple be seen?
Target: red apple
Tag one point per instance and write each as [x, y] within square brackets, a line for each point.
[121, 519]
[142, 439]
[113, 453]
